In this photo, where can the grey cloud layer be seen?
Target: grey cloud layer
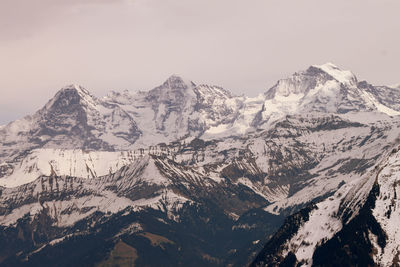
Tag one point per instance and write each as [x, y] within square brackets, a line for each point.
[244, 46]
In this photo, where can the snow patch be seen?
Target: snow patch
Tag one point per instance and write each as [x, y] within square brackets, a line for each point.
[343, 76]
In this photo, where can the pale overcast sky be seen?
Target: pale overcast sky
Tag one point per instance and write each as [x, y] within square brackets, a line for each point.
[243, 46]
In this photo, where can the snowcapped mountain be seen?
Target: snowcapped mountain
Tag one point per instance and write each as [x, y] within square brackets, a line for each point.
[327, 89]
[177, 109]
[72, 119]
[395, 86]
[172, 170]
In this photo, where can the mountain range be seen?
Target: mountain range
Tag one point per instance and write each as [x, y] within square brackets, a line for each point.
[305, 174]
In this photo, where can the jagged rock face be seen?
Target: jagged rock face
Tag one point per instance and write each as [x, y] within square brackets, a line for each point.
[177, 109]
[65, 106]
[169, 102]
[299, 83]
[216, 105]
[77, 115]
[385, 95]
[66, 119]
[73, 119]
[198, 176]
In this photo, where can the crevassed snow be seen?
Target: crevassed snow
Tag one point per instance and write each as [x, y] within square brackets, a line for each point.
[214, 130]
[246, 109]
[283, 104]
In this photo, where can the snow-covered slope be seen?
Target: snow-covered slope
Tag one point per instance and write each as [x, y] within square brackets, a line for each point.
[395, 86]
[358, 224]
[137, 184]
[72, 119]
[177, 109]
[315, 140]
[326, 88]
[77, 163]
[271, 138]
[152, 198]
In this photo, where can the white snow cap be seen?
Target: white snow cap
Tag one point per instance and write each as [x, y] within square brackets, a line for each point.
[343, 76]
[396, 86]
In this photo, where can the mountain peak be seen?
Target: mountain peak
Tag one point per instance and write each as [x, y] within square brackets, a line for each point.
[71, 95]
[302, 82]
[328, 65]
[173, 87]
[76, 88]
[177, 81]
[342, 76]
[174, 77]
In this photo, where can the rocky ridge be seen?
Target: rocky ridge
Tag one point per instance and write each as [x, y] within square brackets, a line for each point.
[195, 157]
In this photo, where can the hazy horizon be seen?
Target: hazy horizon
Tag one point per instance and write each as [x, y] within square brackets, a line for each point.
[136, 45]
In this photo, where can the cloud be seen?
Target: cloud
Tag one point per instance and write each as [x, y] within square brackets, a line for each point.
[22, 19]
[136, 44]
